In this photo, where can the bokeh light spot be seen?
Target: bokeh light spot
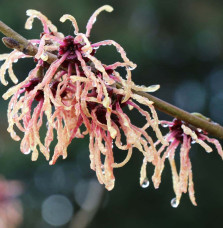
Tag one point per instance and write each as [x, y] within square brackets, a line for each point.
[190, 95]
[57, 210]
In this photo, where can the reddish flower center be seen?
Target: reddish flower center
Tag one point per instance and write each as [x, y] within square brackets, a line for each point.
[39, 95]
[176, 128]
[72, 47]
[101, 110]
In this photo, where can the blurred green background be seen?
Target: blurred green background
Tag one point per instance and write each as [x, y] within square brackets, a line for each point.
[177, 44]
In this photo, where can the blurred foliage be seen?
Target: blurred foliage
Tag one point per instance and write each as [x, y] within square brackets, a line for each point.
[177, 44]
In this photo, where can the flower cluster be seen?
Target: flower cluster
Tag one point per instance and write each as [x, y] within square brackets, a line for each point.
[74, 90]
[183, 135]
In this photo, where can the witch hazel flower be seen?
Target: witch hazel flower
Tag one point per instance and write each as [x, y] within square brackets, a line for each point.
[11, 211]
[74, 90]
[180, 135]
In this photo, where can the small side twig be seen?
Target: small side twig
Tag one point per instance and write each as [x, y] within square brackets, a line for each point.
[16, 41]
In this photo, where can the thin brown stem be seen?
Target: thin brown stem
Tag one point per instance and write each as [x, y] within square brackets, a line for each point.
[16, 41]
[210, 127]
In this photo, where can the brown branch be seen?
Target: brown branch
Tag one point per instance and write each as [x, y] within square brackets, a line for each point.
[16, 41]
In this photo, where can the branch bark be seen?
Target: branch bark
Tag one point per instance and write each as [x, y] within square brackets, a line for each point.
[16, 41]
